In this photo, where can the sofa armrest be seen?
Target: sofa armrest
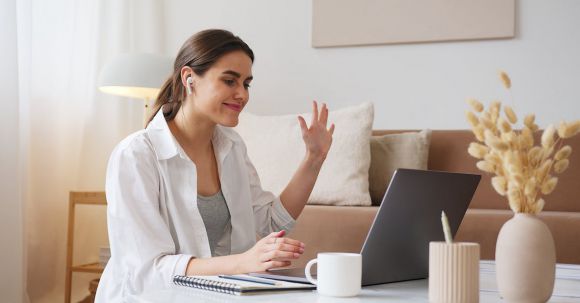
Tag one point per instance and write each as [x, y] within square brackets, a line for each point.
[325, 228]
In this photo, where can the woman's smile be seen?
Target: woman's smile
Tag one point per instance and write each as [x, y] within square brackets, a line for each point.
[234, 106]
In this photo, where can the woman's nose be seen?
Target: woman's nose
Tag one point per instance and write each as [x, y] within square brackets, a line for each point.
[241, 93]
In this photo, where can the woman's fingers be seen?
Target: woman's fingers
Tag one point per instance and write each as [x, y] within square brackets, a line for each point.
[286, 247]
[317, 117]
[314, 113]
[324, 115]
[276, 251]
[287, 241]
[303, 125]
[331, 130]
[274, 235]
[279, 255]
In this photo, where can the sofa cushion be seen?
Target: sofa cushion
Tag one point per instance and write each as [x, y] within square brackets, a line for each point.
[276, 148]
[390, 152]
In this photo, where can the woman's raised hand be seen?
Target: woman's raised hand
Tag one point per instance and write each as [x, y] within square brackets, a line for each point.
[317, 137]
[270, 252]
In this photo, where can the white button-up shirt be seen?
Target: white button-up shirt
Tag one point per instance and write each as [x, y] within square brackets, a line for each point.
[154, 224]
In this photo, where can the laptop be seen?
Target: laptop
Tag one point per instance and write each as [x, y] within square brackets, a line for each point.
[409, 217]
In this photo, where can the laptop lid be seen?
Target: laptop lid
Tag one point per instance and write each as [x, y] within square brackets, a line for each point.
[397, 245]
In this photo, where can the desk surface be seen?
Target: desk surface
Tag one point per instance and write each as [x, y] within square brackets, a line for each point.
[567, 289]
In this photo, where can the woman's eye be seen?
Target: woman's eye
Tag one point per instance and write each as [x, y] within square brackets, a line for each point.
[229, 82]
[247, 85]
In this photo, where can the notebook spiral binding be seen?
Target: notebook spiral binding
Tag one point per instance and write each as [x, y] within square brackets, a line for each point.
[223, 287]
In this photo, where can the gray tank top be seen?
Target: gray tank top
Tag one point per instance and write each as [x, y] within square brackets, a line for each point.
[217, 220]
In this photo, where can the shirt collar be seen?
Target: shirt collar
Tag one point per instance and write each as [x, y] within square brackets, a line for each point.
[166, 146]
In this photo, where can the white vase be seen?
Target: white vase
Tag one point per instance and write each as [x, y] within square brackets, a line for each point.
[525, 259]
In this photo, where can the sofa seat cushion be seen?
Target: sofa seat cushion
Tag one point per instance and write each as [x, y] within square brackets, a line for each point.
[332, 229]
[344, 229]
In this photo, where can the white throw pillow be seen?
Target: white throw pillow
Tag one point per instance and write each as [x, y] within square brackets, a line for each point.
[276, 148]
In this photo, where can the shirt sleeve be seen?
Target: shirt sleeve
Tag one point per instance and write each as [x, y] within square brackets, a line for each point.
[270, 215]
[141, 243]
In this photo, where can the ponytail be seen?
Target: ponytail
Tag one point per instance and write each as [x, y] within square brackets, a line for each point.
[166, 101]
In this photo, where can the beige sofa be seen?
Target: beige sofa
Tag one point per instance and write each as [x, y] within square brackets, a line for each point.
[344, 228]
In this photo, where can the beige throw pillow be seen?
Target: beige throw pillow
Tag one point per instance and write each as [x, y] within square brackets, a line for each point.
[389, 152]
[276, 149]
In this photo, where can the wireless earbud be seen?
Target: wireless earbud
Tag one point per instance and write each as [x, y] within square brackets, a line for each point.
[189, 83]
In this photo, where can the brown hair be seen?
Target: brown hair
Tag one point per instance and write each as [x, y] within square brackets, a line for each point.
[199, 52]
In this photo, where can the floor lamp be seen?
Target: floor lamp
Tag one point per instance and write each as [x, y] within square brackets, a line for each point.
[135, 76]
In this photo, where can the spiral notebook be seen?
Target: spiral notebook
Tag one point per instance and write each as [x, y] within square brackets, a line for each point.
[235, 285]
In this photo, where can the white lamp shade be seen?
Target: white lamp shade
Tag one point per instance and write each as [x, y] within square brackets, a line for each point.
[135, 75]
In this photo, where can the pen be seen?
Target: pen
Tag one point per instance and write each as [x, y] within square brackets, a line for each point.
[446, 230]
[248, 279]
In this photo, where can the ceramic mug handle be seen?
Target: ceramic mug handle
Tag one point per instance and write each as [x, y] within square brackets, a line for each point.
[307, 271]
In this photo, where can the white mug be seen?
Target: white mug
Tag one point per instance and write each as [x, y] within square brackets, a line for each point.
[339, 274]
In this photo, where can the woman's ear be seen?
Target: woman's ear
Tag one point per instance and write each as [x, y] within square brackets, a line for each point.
[186, 72]
[187, 76]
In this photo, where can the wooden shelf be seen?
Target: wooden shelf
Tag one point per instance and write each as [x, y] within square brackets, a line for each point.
[78, 198]
[88, 197]
[91, 267]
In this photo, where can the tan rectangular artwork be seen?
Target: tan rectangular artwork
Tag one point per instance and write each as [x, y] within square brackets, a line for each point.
[364, 22]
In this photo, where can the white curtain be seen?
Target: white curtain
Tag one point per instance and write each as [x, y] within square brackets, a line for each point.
[70, 127]
[11, 162]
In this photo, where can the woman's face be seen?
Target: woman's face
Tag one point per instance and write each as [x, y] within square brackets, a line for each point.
[222, 92]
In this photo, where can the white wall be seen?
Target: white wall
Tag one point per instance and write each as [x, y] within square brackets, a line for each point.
[412, 86]
[11, 224]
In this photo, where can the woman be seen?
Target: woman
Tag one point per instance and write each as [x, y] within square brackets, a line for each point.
[183, 196]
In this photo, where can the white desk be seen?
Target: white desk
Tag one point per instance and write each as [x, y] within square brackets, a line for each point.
[567, 289]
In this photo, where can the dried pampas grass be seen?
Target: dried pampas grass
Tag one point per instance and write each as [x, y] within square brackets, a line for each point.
[505, 79]
[563, 153]
[567, 130]
[476, 105]
[523, 170]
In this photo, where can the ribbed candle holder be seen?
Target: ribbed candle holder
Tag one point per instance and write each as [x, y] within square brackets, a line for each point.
[453, 272]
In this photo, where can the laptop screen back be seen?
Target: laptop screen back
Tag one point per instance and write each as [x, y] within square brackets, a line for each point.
[397, 245]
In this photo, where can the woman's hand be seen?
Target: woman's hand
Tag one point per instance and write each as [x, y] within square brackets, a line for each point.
[270, 252]
[317, 137]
